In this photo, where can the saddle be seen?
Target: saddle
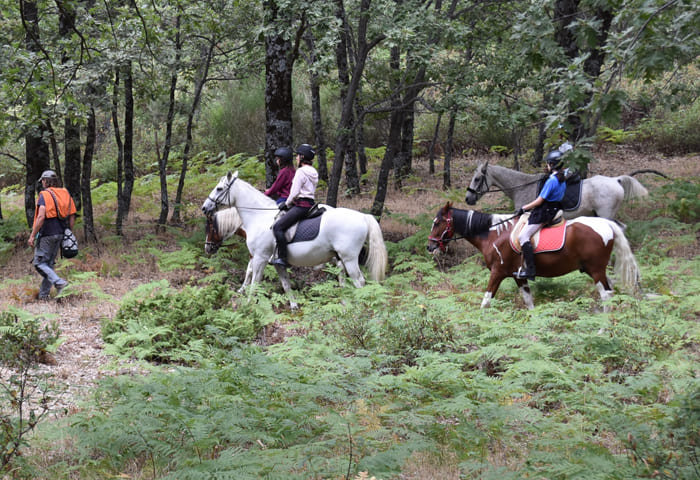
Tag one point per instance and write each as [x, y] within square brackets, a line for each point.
[572, 196]
[549, 238]
[307, 228]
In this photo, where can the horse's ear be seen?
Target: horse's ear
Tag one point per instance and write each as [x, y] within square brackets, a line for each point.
[446, 208]
[485, 165]
[235, 174]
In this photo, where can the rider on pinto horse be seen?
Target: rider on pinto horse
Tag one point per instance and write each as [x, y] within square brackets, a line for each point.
[544, 209]
[299, 202]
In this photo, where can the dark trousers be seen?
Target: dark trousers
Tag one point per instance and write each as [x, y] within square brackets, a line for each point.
[292, 216]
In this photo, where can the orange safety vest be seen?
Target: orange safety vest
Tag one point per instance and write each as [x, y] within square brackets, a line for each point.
[66, 206]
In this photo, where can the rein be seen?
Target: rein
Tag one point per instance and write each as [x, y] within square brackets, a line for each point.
[218, 202]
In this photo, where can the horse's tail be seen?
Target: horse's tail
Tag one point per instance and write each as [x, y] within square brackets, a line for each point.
[626, 268]
[377, 256]
[632, 187]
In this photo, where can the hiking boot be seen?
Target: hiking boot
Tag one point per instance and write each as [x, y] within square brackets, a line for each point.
[60, 286]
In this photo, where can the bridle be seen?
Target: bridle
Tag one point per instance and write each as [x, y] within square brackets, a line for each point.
[447, 234]
[218, 200]
[479, 191]
[213, 232]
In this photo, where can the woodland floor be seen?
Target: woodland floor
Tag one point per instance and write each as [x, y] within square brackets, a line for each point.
[80, 360]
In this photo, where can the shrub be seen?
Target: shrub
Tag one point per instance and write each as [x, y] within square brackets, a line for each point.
[24, 340]
[159, 323]
[23, 343]
[673, 133]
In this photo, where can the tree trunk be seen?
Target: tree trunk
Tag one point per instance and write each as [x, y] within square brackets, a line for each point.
[387, 163]
[433, 143]
[345, 124]
[85, 189]
[319, 137]
[447, 168]
[36, 148]
[341, 60]
[279, 61]
[163, 161]
[125, 199]
[122, 208]
[360, 136]
[71, 129]
[199, 87]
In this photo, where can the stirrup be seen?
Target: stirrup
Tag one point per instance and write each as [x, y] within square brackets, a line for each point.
[523, 274]
[280, 262]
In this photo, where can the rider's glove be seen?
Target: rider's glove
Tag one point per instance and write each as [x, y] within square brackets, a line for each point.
[284, 207]
[519, 212]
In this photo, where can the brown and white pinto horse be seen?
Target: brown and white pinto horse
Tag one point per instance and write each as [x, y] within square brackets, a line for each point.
[587, 247]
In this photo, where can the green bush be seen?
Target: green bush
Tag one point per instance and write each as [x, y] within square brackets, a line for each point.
[160, 323]
[24, 339]
[673, 132]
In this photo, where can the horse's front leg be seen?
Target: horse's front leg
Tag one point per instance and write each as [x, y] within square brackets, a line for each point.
[248, 276]
[287, 286]
[494, 282]
[341, 271]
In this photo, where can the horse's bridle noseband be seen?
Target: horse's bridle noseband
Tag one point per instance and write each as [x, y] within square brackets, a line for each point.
[479, 191]
[447, 234]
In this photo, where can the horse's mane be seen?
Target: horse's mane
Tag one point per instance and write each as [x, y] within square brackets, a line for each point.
[228, 220]
[517, 173]
[471, 222]
[255, 191]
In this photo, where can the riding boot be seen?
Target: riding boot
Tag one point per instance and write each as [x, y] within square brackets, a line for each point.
[528, 272]
[281, 259]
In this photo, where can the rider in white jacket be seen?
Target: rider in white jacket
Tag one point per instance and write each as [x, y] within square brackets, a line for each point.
[301, 199]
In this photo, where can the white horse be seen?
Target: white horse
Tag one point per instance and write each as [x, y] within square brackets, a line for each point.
[601, 196]
[342, 235]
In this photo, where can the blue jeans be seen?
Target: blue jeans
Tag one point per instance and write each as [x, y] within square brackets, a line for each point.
[45, 255]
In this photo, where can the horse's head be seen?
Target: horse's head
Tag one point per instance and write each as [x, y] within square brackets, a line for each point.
[478, 186]
[214, 238]
[221, 195]
[442, 231]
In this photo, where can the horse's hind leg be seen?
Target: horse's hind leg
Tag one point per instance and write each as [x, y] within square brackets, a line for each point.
[604, 287]
[286, 286]
[354, 272]
[526, 293]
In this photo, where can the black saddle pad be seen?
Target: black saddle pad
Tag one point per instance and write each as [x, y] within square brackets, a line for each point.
[307, 229]
[572, 196]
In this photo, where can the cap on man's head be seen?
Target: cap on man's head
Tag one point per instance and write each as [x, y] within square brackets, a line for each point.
[48, 174]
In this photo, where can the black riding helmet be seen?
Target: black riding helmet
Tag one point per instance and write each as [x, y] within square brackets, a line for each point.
[555, 158]
[306, 151]
[285, 154]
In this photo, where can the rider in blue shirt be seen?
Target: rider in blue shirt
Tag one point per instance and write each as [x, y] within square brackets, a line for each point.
[544, 209]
